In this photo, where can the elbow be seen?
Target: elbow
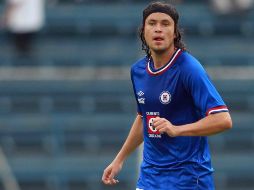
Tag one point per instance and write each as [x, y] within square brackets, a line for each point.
[228, 124]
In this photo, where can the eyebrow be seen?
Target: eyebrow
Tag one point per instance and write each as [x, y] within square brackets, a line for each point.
[156, 20]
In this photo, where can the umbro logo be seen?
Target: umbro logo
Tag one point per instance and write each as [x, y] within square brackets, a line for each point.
[140, 93]
[141, 99]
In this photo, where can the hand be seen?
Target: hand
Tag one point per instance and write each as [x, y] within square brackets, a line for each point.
[164, 126]
[110, 172]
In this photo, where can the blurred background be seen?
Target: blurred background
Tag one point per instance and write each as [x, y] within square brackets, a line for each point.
[66, 101]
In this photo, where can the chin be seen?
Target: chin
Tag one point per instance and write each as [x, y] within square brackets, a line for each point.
[159, 50]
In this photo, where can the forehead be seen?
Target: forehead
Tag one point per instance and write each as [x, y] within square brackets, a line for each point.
[159, 17]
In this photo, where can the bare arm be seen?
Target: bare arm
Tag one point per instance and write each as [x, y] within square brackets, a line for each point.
[212, 124]
[134, 139]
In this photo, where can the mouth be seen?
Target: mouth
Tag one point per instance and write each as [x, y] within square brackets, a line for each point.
[158, 39]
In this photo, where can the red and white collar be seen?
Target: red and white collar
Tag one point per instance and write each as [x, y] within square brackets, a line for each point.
[164, 68]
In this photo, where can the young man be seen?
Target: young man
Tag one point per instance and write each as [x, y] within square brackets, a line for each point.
[178, 107]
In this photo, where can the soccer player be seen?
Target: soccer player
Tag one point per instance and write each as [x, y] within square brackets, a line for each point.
[178, 107]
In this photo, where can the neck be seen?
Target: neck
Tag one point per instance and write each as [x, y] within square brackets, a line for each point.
[162, 58]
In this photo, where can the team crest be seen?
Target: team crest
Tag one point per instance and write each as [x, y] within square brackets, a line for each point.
[165, 97]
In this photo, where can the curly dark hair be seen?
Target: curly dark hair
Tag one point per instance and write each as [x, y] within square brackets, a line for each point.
[167, 9]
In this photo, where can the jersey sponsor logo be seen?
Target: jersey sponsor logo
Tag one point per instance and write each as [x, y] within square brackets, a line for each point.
[165, 97]
[141, 99]
[152, 132]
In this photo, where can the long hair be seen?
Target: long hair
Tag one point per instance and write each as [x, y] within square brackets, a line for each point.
[167, 9]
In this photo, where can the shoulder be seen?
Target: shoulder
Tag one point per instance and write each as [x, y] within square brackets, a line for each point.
[139, 65]
[189, 64]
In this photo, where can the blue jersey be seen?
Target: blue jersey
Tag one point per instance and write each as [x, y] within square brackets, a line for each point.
[181, 92]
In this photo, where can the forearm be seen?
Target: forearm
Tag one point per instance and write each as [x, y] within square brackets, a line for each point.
[134, 139]
[212, 124]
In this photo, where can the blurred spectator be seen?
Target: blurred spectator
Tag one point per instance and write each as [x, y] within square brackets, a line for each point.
[23, 19]
[225, 7]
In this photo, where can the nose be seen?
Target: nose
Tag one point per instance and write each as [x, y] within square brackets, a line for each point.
[158, 28]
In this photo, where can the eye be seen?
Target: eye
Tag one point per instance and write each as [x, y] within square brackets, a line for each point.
[165, 23]
[151, 23]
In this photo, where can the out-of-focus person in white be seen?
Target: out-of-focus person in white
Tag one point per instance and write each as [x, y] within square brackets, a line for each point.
[23, 19]
[225, 7]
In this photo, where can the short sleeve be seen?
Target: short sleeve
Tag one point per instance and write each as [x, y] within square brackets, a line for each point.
[134, 90]
[204, 94]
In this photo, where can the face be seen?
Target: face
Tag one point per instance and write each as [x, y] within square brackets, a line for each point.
[159, 32]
